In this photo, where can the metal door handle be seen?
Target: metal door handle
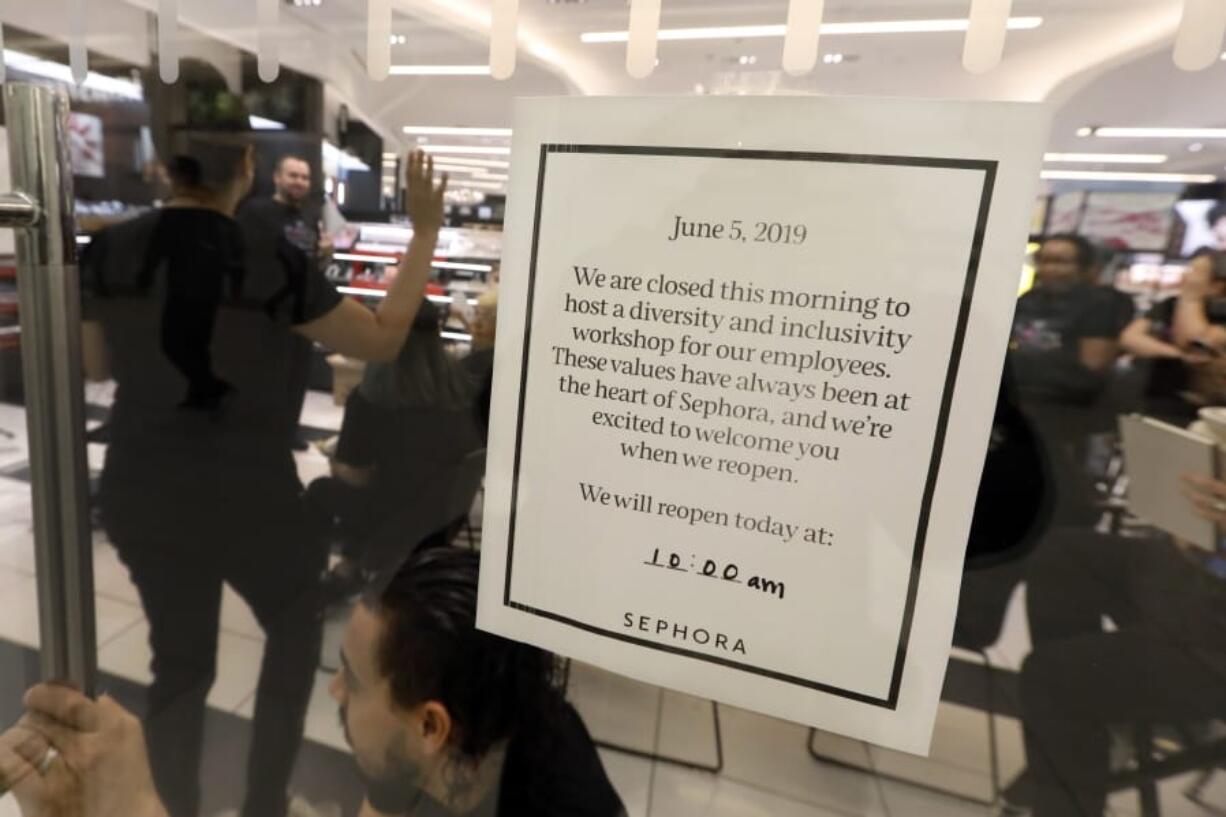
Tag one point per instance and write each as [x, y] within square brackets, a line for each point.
[41, 210]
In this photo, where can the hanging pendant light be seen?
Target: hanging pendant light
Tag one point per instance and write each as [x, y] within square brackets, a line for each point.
[504, 38]
[644, 37]
[78, 56]
[379, 39]
[269, 14]
[800, 44]
[168, 40]
[1199, 42]
[985, 35]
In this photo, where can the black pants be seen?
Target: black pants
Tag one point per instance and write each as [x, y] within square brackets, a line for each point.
[267, 552]
[349, 513]
[1165, 665]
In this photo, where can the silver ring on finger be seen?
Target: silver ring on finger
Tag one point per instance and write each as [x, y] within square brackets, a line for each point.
[48, 760]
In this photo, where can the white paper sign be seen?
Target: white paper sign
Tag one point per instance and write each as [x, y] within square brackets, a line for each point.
[748, 355]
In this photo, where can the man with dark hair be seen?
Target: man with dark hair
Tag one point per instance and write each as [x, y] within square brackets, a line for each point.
[442, 717]
[288, 214]
[1064, 344]
[277, 228]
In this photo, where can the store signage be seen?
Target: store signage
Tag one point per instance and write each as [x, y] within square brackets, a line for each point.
[85, 145]
[748, 355]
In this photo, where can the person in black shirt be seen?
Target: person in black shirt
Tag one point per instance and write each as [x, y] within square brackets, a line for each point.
[288, 216]
[1065, 330]
[287, 221]
[443, 719]
[200, 485]
[1063, 347]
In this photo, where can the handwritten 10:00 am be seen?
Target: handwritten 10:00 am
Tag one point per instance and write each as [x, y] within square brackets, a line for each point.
[764, 232]
[709, 568]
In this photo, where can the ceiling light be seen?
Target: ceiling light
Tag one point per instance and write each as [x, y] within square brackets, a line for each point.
[398, 39]
[261, 123]
[440, 70]
[59, 72]
[461, 160]
[1104, 176]
[828, 29]
[1108, 158]
[1085, 132]
[365, 259]
[492, 177]
[450, 168]
[833, 59]
[700, 88]
[461, 266]
[468, 149]
[477, 185]
[1196, 147]
[1160, 133]
[427, 130]
[369, 292]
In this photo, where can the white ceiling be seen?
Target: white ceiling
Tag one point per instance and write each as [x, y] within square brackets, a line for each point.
[1100, 62]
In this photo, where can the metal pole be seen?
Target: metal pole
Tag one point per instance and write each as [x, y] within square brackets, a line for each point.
[49, 302]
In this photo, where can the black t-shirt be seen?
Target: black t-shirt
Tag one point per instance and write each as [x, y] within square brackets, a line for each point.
[200, 345]
[407, 447]
[1048, 328]
[553, 775]
[268, 222]
[273, 231]
[560, 777]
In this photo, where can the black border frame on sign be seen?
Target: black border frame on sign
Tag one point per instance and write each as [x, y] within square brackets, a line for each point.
[988, 168]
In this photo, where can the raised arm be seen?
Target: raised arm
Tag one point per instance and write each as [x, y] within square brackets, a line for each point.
[354, 330]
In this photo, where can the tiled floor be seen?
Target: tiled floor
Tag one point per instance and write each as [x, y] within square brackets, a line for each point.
[767, 767]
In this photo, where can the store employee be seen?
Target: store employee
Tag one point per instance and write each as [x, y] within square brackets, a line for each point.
[271, 227]
[287, 215]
